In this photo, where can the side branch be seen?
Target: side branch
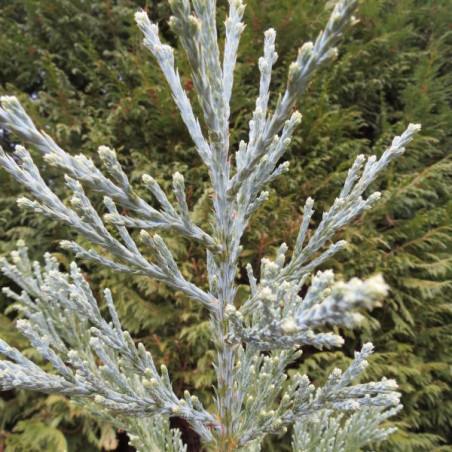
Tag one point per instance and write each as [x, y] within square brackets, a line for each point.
[164, 54]
[310, 57]
[93, 358]
[83, 169]
[86, 221]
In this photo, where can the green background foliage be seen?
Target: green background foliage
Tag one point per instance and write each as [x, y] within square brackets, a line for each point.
[80, 71]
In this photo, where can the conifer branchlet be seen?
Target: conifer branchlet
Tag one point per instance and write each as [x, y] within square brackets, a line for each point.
[99, 364]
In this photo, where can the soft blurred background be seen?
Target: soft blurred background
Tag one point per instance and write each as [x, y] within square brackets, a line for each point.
[79, 69]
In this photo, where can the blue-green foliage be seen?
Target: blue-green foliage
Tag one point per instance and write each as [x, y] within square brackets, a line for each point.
[81, 74]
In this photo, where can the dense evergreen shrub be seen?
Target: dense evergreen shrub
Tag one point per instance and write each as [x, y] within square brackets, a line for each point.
[81, 68]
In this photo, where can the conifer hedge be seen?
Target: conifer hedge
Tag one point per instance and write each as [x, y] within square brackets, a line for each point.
[79, 69]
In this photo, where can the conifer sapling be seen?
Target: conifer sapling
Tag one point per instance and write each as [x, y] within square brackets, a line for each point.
[97, 363]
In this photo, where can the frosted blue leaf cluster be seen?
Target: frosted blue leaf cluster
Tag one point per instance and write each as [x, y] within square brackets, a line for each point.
[96, 362]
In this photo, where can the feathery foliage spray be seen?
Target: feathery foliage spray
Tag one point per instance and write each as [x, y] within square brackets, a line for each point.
[99, 365]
